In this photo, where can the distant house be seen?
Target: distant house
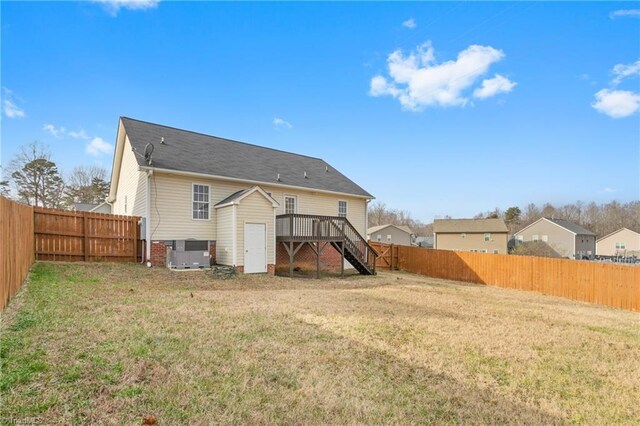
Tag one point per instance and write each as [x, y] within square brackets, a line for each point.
[425, 242]
[623, 242]
[96, 208]
[565, 238]
[390, 234]
[474, 235]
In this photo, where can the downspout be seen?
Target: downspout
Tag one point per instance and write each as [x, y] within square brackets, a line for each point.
[234, 239]
[148, 224]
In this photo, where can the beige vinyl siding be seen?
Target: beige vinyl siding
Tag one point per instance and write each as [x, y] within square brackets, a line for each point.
[472, 241]
[171, 208]
[132, 184]
[255, 209]
[607, 246]
[561, 240]
[398, 236]
[224, 243]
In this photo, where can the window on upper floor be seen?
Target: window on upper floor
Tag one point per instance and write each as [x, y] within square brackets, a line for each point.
[290, 204]
[379, 237]
[620, 246]
[200, 202]
[389, 238]
[342, 208]
[487, 236]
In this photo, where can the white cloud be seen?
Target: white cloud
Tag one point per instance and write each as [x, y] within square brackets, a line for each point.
[280, 123]
[634, 13]
[410, 23]
[11, 110]
[417, 81]
[609, 190]
[616, 103]
[98, 147]
[9, 107]
[56, 132]
[114, 6]
[493, 86]
[622, 71]
[79, 134]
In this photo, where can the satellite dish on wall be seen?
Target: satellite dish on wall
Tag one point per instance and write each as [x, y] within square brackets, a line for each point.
[148, 151]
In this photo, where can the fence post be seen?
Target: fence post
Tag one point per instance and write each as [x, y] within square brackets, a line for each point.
[85, 245]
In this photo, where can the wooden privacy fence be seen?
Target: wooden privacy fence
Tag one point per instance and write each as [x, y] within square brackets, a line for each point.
[73, 236]
[387, 255]
[613, 285]
[16, 247]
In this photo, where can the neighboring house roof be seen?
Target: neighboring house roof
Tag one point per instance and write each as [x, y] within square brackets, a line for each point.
[615, 232]
[84, 207]
[187, 151]
[236, 197]
[569, 226]
[102, 206]
[445, 226]
[375, 229]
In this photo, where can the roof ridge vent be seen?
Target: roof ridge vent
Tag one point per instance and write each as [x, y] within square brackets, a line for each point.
[278, 177]
[305, 175]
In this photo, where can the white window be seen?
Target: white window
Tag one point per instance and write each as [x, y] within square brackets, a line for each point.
[342, 208]
[473, 251]
[545, 238]
[379, 238]
[463, 235]
[520, 238]
[534, 238]
[487, 236]
[389, 238]
[290, 204]
[200, 201]
[620, 246]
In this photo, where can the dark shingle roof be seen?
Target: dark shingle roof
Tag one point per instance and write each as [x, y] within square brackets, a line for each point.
[195, 152]
[233, 197]
[577, 229]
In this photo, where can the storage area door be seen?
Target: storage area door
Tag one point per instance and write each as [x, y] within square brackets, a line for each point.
[255, 248]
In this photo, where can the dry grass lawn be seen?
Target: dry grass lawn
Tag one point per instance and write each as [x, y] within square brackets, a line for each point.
[110, 344]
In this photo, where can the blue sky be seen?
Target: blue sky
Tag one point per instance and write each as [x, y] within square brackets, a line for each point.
[436, 108]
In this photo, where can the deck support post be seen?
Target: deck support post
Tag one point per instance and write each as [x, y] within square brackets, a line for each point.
[291, 251]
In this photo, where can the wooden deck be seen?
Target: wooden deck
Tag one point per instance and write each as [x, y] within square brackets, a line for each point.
[295, 230]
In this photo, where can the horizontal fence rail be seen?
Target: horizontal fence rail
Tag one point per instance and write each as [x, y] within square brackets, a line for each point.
[16, 247]
[614, 285]
[85, 236]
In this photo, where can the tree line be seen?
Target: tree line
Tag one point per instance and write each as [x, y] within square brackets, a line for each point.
[601, 219]
[34, 179]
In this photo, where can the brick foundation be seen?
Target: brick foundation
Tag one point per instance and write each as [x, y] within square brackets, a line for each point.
[158, 253]
[305, 258]
[212, 253]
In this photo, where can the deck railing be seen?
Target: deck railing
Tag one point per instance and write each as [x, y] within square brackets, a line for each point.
[302, 227]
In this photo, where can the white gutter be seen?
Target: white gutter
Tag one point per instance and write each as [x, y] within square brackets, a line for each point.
[254, 182]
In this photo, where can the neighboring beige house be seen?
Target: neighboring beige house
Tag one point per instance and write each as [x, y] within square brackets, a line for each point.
[204, 197]
[565, 238]
[390, 234]
[474, 235]
[623, 242]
